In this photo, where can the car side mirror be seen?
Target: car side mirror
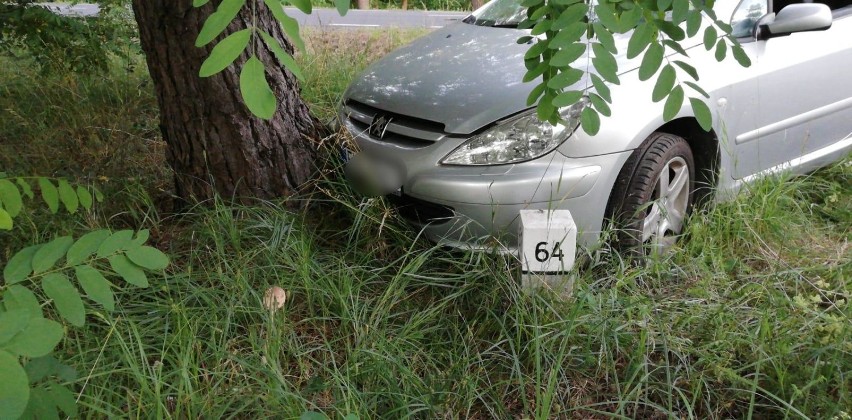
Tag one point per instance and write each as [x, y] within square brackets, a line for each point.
[798, 17]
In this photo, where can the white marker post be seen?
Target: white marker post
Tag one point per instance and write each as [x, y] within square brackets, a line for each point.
[547, 248]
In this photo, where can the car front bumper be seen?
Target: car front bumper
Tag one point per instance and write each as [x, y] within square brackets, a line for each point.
[479, 206]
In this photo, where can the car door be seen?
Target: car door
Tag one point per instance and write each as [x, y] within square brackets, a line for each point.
[804, 96]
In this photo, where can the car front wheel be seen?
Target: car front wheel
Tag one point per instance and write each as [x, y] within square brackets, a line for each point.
[653, 195]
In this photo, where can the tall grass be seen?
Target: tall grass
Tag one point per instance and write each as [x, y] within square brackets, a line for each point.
[748, 318]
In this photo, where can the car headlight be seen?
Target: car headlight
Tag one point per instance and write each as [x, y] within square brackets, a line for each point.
[522, 138]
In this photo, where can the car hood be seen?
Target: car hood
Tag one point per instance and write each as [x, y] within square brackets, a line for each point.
[462, 76]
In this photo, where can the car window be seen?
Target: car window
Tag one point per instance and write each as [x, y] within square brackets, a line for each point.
[746, 15]
[501, 13]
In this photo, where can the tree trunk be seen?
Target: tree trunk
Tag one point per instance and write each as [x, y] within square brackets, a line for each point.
[476, 4]
[215, 145]
[363, 4]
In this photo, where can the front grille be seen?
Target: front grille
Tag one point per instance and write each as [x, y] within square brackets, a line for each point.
[420, 211]
[403, 130]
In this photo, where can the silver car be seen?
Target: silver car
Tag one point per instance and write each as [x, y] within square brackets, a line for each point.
[444, 130]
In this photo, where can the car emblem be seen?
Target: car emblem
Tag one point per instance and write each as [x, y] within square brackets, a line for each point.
[379, 125]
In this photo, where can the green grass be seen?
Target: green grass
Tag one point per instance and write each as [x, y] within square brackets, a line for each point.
[748, 318]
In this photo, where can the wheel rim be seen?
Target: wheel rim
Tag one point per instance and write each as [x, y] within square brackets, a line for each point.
[666, 213]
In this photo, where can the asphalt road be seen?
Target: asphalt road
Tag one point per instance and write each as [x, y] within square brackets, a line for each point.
[323, 17]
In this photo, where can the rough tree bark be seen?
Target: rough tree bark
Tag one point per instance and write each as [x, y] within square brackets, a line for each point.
[214, 143]
[476, 4]
[363, 4]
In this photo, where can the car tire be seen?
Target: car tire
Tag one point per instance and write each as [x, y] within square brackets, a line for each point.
[652, 196]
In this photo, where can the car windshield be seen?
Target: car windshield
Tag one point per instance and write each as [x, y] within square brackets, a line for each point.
[499, 13]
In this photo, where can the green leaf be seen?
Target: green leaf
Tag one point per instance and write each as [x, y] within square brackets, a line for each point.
[313, 415]
[49, 194]
[600, 105]
[285, 59]
[571, 14]
[672, 31]
[675, 46]
[65, 297]
[538, 13]
[218, 21]
[536, 49]
[565, 78]
[85, 197]
[693, 22]
[568, 55]
[601, 88]
[567, 98]
[140, 239]
[651, 61]
[38, 339]
[721, 49]
[118, 241]
[130, 272]
[199, 3]
[11, 323]
[342, 6]
[86, 246]
[225, 53]
[99, 196]
[6, 222]
[535, 93]
[40, 406]
[702, 113]
[63, 398]
[148, 257]
[257, 94]
[19, 297]
[14, 388]
[39, 368]
[604, 36]
[10, 197]
[95, 285]
[710, 37]
[290, 25]
[590, 121]
[46, 256]
[20, 265]
[535, 72]
[687, 68]
[665, 82]
[545, 109]
[639, 40]
[303, 5]
[606, 16]
[740, 55]
[663, 4]
[673, 104]
[68, 196]
[25, 187]
[541, 27]
[697, 88]
[605, 64]
[568, 36]
[680, 8]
